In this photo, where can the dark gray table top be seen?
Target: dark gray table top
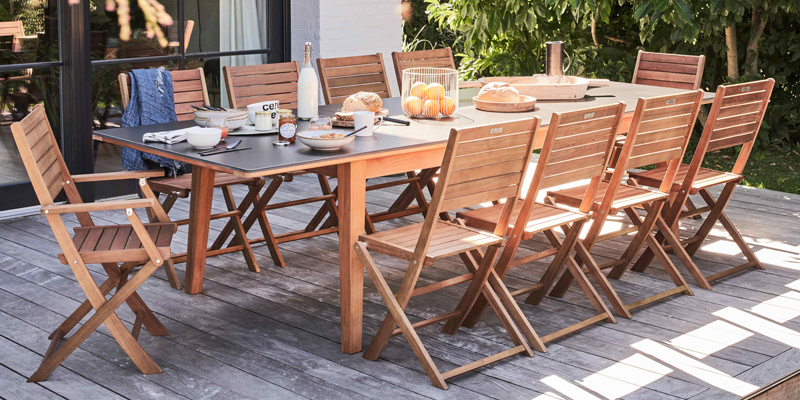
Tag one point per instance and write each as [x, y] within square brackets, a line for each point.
[266, 158]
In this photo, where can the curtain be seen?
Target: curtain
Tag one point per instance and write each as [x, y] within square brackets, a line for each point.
[242, 26]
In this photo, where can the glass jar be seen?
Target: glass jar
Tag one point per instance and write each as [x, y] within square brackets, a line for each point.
[287, 126]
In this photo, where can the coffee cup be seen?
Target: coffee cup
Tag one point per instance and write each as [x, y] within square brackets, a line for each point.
[271, 106]
[365, 118]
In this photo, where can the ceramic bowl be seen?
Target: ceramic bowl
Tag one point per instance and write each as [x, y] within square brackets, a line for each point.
[312, 139]
[203, 138]
[230, 114]
[233, 122]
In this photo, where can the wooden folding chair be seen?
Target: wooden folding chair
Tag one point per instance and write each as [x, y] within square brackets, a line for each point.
[436, 58]
[677, 71]
[470, 175]
[189, 88]
[344, 76]
[734, 120]
[252, 84]
[119, 248]
[577, 147]
[659, 132]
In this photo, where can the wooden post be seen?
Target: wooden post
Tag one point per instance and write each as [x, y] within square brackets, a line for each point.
[352, 201]
[199, 222]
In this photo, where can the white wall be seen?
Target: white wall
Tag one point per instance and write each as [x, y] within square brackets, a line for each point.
[339, 28]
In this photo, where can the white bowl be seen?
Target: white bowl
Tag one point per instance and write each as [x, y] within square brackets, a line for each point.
[230, 114]
[233, 123]
[311, 139]
[203, 138]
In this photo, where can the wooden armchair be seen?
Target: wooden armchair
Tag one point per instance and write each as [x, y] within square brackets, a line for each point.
[189, 88]
[118, 248]
[344, 76]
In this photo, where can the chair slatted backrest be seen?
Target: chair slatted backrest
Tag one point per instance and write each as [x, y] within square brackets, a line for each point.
[13, 29]
[345, 76]
[41, 156]
[659, 132]
[436, 58]
[481, 164]
[736, 115]
[577, 147]
[669, 70]
[256, 83]
[188, 87]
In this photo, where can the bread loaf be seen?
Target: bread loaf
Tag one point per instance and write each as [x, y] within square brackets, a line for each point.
[362, 101]
[500, 92]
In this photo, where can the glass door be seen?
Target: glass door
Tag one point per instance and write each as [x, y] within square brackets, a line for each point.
[30, 74]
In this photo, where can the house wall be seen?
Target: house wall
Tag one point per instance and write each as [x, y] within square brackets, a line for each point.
[340, 28]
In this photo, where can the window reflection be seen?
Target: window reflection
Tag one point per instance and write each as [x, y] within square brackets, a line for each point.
[28, 31]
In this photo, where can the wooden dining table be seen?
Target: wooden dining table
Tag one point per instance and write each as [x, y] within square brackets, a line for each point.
[393, 149]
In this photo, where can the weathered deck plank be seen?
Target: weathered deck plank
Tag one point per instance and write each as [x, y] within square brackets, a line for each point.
[275, 334]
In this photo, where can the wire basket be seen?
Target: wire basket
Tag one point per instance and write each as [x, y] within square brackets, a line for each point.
[429, 92]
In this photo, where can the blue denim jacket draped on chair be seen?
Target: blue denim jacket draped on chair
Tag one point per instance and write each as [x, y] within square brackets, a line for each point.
[151, 102]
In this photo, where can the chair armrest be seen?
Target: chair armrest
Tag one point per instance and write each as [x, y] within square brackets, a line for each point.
[98, 206]
[116, 176]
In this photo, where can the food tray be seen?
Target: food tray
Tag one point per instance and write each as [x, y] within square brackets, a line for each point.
[574, 90]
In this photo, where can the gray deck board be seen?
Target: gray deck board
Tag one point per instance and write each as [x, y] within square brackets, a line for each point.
[275, 334]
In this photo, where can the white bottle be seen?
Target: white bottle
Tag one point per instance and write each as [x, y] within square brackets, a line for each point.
[307, 88]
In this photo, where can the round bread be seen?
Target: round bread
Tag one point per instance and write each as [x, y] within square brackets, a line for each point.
[500, 92]
[362, 101]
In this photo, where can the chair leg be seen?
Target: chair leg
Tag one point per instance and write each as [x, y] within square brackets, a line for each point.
[601, 280]
[674, 241]
[557, 264]
[247, 201]
[399, 316]
[639, 239]
[247, 252]
[104, 314]
[120, 275]
[729, 227]
[269, 238]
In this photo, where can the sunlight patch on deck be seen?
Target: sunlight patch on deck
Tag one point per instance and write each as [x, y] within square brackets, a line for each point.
[710, 338]
[783, 308]
[695, 368]
[637, 371]
[760, 325]
[567, 388]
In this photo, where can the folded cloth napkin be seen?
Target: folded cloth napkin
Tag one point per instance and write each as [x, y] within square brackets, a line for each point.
[152, 102]
[168, 137]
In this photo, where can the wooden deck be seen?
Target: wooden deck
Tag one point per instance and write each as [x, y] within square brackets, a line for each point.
[275, 334]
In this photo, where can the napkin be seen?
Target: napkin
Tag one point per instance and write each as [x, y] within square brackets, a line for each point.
[168, 137]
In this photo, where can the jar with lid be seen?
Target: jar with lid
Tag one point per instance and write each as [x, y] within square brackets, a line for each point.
[287, 126]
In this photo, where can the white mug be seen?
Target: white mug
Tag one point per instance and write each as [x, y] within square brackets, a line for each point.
[271, 106]
[365, 118]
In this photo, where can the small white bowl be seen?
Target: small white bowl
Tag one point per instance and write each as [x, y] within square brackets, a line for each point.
[311, 139]
[203, 138]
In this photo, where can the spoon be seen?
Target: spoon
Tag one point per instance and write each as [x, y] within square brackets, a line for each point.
[228, 147]
[354, 132]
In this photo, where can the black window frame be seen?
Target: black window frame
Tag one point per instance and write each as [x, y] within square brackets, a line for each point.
[75, 66]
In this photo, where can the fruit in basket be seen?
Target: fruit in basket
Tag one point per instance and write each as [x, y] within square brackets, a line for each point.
[418, 89]
[434, 91]
[431, 108]
[447, 106]
[413, 105]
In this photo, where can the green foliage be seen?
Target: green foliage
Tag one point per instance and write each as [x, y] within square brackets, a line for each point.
[506, 37]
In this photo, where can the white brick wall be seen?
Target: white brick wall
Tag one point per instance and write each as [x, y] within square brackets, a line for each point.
[339, 28]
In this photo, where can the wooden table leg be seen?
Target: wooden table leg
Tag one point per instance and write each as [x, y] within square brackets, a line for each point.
[199, 221]
[352, 181]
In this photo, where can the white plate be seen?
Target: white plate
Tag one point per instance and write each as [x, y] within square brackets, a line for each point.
[248, 129]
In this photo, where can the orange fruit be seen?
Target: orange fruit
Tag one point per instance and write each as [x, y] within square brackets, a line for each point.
[434, 91]
[447, 105]
[413, 105]
[418, 89]
[431, 108]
